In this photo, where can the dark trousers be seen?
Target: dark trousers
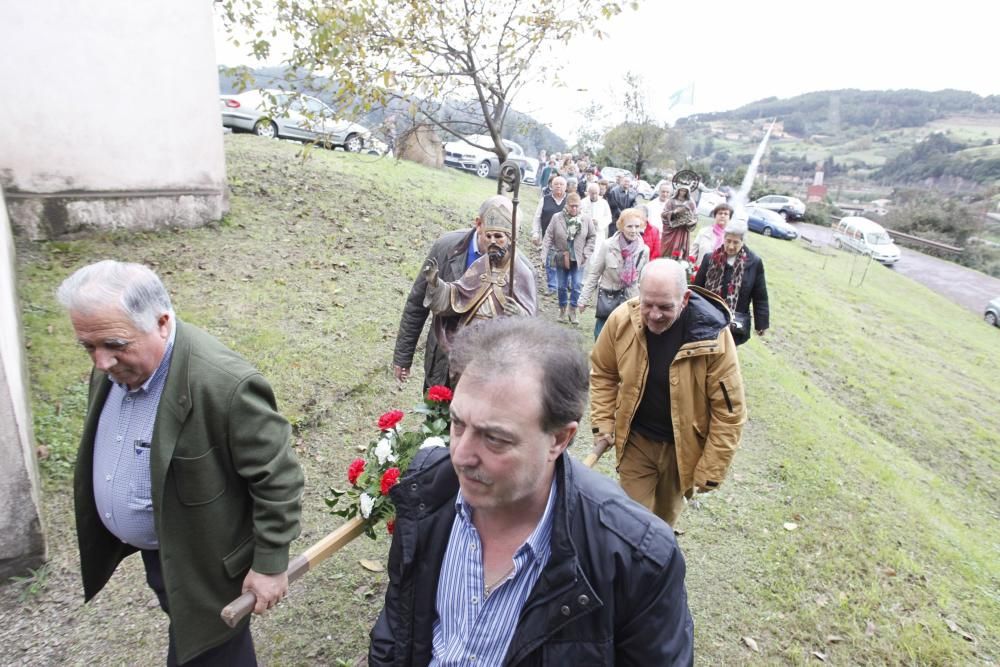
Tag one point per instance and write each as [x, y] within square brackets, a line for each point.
[237, 652]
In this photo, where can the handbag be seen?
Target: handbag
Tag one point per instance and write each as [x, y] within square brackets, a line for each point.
[740, 327]
[566, 261]
[608, 300]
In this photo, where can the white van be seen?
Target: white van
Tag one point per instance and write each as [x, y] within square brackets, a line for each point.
[867, 237]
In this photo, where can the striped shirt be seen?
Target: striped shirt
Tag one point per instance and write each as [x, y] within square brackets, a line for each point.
[122, 488]
[473, 628]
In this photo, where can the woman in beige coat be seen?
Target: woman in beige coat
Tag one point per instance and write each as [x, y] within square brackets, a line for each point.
[570, 239]
[616, 266]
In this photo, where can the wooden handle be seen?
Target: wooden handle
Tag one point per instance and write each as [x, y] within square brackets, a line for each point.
[239, 608]
[595, 453]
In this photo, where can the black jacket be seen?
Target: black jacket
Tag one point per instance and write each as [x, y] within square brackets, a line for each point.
[620, 199]
[450, 251]
[612, 592]
[752, 289]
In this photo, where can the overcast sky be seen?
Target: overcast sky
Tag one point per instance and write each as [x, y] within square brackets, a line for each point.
[738, 51]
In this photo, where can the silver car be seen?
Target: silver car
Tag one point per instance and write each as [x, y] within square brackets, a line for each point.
[287, 115]
[992, 315]
[791, 208]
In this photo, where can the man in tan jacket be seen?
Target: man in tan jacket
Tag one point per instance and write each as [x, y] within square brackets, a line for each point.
[665, 388]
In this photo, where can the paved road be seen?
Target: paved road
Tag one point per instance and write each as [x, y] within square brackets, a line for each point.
[965, 287]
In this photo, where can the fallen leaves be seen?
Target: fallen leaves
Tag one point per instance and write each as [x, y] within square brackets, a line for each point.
[819, 656]
[953, 626]
[750, 643]
[789, 526]
[371, 565]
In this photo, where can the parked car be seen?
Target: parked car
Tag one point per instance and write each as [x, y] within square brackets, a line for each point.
[461, 154]
[769, 223]
[375, 146]
[611, 174]
[644, 189]
[288, 115]
[530, 171]
[790, 207]
[867, 237]
[992, 315]
[709, 200]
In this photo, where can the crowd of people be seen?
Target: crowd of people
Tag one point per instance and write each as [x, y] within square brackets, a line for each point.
[667, 227]
[185, 459]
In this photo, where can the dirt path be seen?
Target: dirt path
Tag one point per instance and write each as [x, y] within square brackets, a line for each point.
[966, 287]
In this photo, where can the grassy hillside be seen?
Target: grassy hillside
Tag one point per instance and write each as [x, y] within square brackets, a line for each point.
[873, 430]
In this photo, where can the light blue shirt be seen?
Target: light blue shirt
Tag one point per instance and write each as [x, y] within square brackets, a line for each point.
[122, 488]
[472, 628]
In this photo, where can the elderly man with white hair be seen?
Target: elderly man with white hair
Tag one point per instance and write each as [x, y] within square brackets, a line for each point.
[596, 207]
[183, 458]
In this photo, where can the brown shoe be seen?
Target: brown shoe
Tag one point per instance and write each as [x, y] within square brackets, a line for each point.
[562, 314]
[572, 316]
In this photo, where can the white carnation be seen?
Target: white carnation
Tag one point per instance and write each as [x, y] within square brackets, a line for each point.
[433, 441]
[383, 451]
[367, 503]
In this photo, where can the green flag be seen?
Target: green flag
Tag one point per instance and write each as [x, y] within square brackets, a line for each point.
[683, 96]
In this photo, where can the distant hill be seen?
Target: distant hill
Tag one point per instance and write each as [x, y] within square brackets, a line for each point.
[519, 127]
[840, 112]
[864, 136]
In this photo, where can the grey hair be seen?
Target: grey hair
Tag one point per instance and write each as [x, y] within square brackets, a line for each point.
[736, 228]
[133, 288]
[506, 345]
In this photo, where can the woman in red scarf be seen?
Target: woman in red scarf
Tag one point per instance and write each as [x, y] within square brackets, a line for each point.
[737, 275]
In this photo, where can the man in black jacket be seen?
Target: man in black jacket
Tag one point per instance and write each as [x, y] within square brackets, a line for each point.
[506, 550]
[620, 198]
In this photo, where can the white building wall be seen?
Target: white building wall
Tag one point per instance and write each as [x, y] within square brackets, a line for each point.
[106, 99]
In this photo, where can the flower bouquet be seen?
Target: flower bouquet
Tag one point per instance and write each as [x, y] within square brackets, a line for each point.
[688, 264]
[385, 460]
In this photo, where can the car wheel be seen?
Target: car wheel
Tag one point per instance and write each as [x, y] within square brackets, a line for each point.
[991, 319]
[784, 215]
[837, 244]
[483, 170]
[265, 128]
[354, 144]
[767, 231]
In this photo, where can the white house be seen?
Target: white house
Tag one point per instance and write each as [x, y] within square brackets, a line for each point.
[110, 116]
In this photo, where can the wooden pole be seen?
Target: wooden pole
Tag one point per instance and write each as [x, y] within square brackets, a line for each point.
[236, 610]
[509, 179]
[239, 608]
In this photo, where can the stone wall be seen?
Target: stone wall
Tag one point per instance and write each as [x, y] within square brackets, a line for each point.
[22, 542]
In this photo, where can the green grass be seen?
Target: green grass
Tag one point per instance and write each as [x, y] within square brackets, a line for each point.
[873, 427]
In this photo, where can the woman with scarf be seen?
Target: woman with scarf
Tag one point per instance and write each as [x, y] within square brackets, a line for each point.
[737, 275]
[615, 268]
[709, 239]
[570, 238]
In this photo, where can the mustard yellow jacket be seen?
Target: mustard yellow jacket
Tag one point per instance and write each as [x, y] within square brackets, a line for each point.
[706, 389]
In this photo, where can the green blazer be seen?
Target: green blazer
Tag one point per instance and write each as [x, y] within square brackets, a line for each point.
[227, 487]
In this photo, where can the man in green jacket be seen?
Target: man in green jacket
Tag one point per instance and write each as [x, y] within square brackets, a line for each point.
[183, 458]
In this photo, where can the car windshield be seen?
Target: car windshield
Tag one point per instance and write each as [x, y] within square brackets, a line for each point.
[878, 238]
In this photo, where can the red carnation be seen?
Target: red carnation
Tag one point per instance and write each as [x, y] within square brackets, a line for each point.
[389, 480]
[390, 419]
[439, 394]
[355, 469]
[677, 253]
[390, 526]
[692, 258]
